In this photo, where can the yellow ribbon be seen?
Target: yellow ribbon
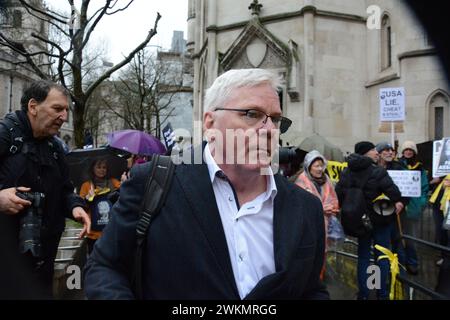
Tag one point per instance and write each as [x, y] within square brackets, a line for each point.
[98, 192]
[395, 270]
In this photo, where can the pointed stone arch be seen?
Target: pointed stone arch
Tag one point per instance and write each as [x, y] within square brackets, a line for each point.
[438, 105]
[257, 47]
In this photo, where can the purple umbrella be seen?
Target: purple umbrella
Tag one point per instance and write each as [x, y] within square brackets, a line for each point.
[136, 142]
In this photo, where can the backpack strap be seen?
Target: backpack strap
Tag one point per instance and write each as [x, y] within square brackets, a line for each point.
[12, 125]
[156, 191]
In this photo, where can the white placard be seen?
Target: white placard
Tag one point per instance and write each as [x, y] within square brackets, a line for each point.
[392, 104]
[408, 181]
[441, 157]
[437, 146]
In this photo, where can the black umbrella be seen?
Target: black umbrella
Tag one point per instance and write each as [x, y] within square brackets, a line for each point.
[326, 148]
[80, 160]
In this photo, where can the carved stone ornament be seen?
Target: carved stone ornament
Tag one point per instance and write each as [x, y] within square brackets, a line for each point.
[256, 51]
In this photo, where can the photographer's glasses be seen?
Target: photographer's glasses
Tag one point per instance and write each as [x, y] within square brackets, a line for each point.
[254, 117]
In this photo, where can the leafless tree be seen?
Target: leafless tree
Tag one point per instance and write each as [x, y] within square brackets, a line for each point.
[66, 48]
[143, 94]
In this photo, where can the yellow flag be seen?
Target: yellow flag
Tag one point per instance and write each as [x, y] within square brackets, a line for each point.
[334, 169]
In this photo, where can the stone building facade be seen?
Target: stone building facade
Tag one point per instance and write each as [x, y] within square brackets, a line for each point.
[17, 24]
[333, 56]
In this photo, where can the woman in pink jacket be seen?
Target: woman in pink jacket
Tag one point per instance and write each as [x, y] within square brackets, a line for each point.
[314, 180]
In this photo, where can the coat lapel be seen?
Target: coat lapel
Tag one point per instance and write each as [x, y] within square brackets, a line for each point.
[194, 180]
[287, 226]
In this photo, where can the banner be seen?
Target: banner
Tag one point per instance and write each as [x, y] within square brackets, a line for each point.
[441, 157]
[169, 136]
[334, 169]
[408, 181]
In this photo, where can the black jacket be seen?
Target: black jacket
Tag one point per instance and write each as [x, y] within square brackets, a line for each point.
[397, 165]
[378, 180]
[41, 166]
[186, 255]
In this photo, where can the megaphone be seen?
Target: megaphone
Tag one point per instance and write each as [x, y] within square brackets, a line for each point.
[383, 206]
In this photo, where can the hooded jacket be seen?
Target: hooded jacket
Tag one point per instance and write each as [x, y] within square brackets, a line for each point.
[378, 180]
[324, 192]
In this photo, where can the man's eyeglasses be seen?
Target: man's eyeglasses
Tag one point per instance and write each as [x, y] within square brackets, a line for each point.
[254, 117]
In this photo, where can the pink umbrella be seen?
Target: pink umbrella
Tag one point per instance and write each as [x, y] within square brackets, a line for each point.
[136, 142]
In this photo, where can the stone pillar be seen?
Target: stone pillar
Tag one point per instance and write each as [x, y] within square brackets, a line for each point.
[308, 120]
[212, 62]
[191, 20]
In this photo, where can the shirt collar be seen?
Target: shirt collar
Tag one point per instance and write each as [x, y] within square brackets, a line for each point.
[213, 168]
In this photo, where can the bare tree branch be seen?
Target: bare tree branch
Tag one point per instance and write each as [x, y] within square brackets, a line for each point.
[121, 9]
[94, 24]
[106, 75]
[45, 13]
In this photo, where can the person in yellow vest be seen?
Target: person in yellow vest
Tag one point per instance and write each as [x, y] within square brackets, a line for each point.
[441, 201]
[314, 180]
[95, 192]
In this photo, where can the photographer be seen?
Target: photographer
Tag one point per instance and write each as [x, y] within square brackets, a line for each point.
[36, 195]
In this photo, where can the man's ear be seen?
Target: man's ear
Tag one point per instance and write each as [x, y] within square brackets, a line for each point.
[32, 106]
[208, 120]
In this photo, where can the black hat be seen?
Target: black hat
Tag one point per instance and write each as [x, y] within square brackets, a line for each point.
[363, 147]
[384, 146]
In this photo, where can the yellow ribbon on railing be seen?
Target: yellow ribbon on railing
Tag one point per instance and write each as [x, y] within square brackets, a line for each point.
[396, 292]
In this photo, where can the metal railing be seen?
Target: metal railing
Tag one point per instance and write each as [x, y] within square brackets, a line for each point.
[427, 243]
[404, 280]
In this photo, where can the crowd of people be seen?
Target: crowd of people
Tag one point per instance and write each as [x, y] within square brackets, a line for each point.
[227, 229]
[368, 171]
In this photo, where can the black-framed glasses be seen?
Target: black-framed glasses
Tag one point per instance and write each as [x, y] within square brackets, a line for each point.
[254, 117]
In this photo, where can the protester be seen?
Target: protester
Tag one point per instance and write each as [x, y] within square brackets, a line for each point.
[441, 203]
[387, 160]
[33, 161]
[314, 180]
[96, 191]
[362, 168]
[226, 231]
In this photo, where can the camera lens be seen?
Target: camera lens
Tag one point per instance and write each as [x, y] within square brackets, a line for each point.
[31, 224]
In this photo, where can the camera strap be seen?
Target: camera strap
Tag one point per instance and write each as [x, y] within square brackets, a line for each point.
[156, 191]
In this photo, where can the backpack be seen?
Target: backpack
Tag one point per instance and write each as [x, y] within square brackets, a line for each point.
[156, 190]
[354, 213]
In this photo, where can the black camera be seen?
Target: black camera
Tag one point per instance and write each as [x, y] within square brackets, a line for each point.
[290, 160]
[289, 155]
[31, 223]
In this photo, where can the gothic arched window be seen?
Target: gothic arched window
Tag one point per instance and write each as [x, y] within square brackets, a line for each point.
[439, 115]
[386, 43]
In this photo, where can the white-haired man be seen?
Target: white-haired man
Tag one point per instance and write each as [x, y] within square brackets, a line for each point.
[230, 228]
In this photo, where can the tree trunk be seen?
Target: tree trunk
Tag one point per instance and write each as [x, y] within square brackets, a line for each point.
[78, 123]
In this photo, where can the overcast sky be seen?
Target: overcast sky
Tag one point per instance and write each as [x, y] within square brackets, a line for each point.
[123, 31]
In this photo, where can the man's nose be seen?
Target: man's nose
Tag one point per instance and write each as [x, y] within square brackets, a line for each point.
[63, 115]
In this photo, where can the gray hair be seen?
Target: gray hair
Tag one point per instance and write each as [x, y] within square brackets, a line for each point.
[220, 90]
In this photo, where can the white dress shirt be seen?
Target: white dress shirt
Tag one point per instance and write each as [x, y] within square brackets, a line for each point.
[248, 230]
